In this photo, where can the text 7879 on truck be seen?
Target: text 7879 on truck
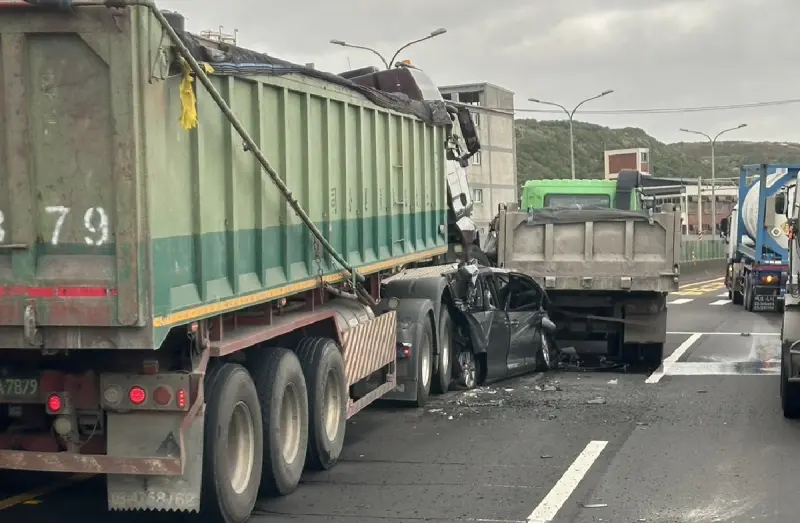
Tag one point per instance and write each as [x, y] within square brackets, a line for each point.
[169, 317]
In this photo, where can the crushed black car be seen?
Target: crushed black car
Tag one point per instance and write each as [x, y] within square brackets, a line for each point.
[502, 325]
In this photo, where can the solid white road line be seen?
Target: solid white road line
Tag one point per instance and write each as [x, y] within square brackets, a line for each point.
[680, 301]
[743, 334]
[720, 302]
[546, 511]
[656, 376]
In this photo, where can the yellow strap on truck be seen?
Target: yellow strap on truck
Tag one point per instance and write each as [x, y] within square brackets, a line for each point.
[188, 98]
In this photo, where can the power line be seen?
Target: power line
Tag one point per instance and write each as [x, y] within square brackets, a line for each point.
[675, 110]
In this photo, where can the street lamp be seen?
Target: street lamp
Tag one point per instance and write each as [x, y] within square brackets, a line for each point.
[713, 173]
[570, 115]
[388, 63]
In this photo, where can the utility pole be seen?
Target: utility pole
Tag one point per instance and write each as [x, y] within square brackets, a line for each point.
[388, 63]
[714, 172]
[570, 116]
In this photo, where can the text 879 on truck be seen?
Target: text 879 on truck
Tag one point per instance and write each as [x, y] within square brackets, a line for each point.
[172, 316]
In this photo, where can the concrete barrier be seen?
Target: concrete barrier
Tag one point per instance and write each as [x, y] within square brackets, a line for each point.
[702, 269]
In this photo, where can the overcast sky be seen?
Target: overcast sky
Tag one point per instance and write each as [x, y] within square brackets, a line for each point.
[653, 53]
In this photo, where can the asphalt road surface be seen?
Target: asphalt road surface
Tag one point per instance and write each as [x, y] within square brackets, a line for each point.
[701, 440]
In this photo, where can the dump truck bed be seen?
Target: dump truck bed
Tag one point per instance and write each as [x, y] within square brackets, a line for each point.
[117, 224]
[603, 250]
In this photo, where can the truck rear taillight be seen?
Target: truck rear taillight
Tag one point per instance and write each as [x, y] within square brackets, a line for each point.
[162, 395]
[145, 392]
[181, 397]
[55, 403]
[137, 395]
[769, 279]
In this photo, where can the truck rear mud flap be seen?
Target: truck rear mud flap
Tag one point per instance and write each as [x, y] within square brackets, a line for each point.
[156, 492]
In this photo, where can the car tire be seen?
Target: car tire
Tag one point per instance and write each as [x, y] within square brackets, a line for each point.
[547, 355]
[444, 368]
[323, 369]
[468, 370]
[233, 412]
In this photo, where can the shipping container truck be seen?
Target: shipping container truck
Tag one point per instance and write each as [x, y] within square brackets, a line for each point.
[758, 240]
[176, 313]
[786, 204]
[606, 260]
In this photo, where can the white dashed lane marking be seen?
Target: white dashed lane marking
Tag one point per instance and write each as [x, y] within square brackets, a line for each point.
[680, 301]
[720, 302]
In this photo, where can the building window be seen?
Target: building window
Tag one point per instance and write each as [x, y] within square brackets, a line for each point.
[477, 195]
[643, 157]
[476, 158]
[470, 97]
[476, 119]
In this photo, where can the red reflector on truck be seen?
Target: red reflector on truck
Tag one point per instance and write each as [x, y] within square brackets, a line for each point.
[57, 292]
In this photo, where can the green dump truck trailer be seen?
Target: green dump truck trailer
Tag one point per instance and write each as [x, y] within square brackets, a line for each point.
[172, 315]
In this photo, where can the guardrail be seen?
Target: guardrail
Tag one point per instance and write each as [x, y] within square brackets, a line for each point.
[703, 250]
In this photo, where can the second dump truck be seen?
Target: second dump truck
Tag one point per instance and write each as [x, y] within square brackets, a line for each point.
[177, 313]
[606, 260]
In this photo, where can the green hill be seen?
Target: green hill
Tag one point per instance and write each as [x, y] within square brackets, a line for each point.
[543, 151]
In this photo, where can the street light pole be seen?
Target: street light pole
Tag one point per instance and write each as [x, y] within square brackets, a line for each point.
[713, 142]
[570, 116]
[388, 63]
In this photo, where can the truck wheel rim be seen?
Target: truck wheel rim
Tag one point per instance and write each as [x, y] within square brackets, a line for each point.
[333, 406]
[444, 338]
[425, 364]
[241, 447]
[290, 424]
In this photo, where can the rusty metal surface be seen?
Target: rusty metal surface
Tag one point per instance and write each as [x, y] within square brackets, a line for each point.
[91, 464]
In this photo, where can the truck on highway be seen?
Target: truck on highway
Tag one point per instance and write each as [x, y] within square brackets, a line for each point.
[606, 260]
[785, 203]
[177, 314]
[758, 239]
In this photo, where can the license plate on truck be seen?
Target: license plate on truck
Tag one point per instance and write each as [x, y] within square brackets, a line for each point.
[19, 389]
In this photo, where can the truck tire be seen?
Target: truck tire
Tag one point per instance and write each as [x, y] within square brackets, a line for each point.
[323, 368]
[284, 410]
[653, 354]
[790, 392]
[736, 297]
[444, 368]
[424, 347]
[748, 295]
[232, 432]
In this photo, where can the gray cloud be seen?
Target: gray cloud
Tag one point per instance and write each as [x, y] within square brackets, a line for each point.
[653, 53]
